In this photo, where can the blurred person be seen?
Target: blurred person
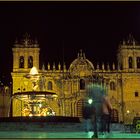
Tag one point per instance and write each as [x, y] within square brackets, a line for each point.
[96, 93]
[106, 114]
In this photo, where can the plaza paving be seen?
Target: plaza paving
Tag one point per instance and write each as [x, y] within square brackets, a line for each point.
[56, 128]
[36, 134]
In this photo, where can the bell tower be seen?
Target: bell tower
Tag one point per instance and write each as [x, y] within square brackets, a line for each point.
[25, 54]
[129, 55]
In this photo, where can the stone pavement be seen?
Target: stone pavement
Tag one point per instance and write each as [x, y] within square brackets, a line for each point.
[35, 134]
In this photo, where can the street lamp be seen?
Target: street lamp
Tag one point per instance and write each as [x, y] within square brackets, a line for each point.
[90, 101]
[128, 111]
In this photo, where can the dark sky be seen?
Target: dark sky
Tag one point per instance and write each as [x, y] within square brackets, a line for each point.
[95, 27]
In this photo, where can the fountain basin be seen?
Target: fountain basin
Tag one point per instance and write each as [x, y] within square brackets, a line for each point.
[33, 102]
[32, 96]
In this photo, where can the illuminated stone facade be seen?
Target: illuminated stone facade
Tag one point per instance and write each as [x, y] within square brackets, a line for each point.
[122, 80]
[4, 100]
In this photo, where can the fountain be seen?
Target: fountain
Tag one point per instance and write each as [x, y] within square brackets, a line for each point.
[36, 113]
[35, 102]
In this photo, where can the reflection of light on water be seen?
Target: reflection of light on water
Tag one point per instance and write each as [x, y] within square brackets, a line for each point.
[33, 71]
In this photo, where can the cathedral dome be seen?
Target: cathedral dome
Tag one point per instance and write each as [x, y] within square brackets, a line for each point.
[81, 66]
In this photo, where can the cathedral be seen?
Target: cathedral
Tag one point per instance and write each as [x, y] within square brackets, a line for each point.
[122, 80]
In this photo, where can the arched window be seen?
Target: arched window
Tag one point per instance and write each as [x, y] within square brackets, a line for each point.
[112, 86]
[82, 84]
[49, 85]
[130, 62]
[138, 62]
[30, 62]
[21, 62]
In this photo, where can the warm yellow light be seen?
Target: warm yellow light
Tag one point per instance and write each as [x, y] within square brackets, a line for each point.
[40, 105]
[128, 111]
[55, 96]
[33, 71]
[30, 115]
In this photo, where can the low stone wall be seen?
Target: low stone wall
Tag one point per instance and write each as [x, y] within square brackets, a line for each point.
[63, 124]
[41, 126]
[56, 123]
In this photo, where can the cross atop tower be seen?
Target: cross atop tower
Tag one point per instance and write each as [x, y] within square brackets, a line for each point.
[26, 40]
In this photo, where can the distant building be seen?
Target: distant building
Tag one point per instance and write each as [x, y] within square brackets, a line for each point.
[122, 80]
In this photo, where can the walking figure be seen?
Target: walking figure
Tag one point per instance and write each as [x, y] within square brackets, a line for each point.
[97, 93]
[106, 114]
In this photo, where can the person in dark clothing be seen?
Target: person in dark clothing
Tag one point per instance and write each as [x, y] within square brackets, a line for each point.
[94, 123]
[91, 112]
[97, 93]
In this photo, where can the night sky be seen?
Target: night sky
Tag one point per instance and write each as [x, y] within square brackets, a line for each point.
[63, 28]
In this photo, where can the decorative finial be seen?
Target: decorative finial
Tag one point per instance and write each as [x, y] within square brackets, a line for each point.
[97, 65]
[108, 67]
[80, 52]
[78, 55]
[48, 66]
[16, 41]
[103, 67]
[26, 36]
[59, 66]
[113, 66]
[54, 66]
[118, 66]
[84, 56]
[123, 42]
[131, 40]
[26, 39]
[134, 43]
[64, 67]
[43, 67]
[36, 41]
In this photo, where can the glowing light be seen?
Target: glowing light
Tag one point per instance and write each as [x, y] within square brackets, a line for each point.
[55, 96]
[33, 71]
[90, 101]
[128, 111]
[53, 113]
[40, 105]
[30, 115]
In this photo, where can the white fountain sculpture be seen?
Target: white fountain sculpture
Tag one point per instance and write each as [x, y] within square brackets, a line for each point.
[34, 77]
